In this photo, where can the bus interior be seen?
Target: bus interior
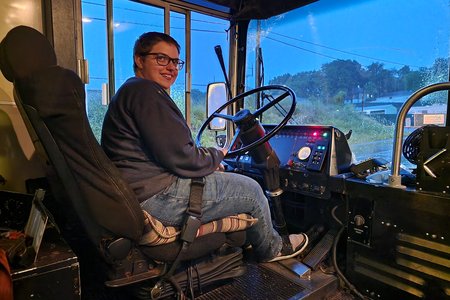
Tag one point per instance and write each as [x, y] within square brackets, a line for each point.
[338, 109]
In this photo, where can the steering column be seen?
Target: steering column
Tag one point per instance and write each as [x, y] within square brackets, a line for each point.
[266, 161]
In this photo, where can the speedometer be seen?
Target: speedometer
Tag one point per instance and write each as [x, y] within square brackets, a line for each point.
[304, 153]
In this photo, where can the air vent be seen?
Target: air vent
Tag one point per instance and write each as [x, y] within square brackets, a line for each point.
[391, 276]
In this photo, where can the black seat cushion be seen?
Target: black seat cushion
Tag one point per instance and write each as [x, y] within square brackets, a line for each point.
[200, 247]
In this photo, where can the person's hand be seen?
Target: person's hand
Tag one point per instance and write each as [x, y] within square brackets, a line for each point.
[224, 150]
[220, 168]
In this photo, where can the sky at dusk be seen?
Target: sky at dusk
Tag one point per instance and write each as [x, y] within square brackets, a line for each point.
[394, 33]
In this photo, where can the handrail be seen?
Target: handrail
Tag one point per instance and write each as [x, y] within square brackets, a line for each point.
[395, 177]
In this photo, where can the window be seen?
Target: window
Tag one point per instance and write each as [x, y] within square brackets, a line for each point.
[353, 65]
[96, 52]
[206, 33]
[130, 20]
[178, 32]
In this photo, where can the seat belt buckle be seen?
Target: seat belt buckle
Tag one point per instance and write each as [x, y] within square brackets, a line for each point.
[190, 229]
[200, 181]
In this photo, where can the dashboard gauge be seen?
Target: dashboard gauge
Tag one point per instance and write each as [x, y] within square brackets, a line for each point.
[304, 153]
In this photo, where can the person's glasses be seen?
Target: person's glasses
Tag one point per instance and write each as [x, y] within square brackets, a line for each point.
[164, 60]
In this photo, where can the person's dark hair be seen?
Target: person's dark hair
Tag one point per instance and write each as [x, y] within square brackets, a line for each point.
[146, 42]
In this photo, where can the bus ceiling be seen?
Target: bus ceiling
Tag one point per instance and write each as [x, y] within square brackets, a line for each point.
[250, 9]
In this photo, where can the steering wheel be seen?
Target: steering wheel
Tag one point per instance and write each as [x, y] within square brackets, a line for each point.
[245, 120]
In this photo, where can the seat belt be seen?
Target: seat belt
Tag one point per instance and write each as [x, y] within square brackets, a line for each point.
[188, 233]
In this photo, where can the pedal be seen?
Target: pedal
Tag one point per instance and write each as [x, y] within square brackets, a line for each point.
[320, 250]
[298, 268]
[314, 233]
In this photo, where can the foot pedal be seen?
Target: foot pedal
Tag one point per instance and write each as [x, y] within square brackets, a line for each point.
[314, 233]
[320, 251]
[298, 268]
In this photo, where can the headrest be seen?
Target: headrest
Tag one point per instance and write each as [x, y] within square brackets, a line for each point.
[23, 51]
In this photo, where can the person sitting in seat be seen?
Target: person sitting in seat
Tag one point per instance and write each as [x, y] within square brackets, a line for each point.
[147, 138]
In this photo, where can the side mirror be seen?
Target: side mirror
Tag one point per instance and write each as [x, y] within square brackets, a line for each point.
[216, 96]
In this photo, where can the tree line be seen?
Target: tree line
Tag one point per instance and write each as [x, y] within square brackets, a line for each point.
[342, 80]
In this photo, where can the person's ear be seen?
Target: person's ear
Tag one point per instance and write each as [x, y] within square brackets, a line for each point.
[139, 61]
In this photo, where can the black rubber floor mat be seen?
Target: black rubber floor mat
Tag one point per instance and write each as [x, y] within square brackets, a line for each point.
[257, 284]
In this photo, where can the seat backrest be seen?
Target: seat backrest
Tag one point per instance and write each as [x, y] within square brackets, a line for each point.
[53, 99]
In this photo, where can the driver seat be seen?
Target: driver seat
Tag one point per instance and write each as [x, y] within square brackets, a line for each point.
[92, 205]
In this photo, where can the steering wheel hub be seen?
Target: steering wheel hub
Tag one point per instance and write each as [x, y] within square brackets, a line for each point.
[244, 119]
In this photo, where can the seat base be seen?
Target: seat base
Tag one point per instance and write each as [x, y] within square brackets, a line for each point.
[154, 272]
[193, 276]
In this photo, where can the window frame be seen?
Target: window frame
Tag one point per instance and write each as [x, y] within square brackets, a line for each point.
[170, 6]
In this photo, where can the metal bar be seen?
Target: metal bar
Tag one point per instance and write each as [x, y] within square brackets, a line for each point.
[110, 41]
[395, 178]
[188, 83]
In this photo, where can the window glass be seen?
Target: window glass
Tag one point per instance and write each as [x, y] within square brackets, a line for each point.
[177, 31]
[352, 64]
[95, 51]
[131, 19]
[206, 33]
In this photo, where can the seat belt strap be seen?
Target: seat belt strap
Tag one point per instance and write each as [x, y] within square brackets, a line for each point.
[194, 210]
[196, 197]
[190, 228]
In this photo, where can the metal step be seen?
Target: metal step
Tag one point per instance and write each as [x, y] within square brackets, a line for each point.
[268, 281]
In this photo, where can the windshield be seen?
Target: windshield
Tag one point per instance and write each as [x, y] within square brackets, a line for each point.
[353, 64]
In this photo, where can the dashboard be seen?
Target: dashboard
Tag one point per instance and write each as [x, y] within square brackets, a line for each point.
[308, 154]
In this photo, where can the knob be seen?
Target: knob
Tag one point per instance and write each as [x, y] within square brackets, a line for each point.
[359, 220]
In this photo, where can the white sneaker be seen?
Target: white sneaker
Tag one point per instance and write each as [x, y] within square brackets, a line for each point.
[287, 251]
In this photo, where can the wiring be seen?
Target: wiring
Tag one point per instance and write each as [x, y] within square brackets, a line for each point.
[334, 259]
[335, 49]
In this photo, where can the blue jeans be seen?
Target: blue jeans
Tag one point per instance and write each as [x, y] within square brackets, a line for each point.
[224, 194]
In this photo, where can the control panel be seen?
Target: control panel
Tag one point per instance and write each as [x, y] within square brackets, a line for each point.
[308, 156]
[303, 147]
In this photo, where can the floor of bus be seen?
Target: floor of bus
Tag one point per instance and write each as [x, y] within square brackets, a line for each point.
[261, 281]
